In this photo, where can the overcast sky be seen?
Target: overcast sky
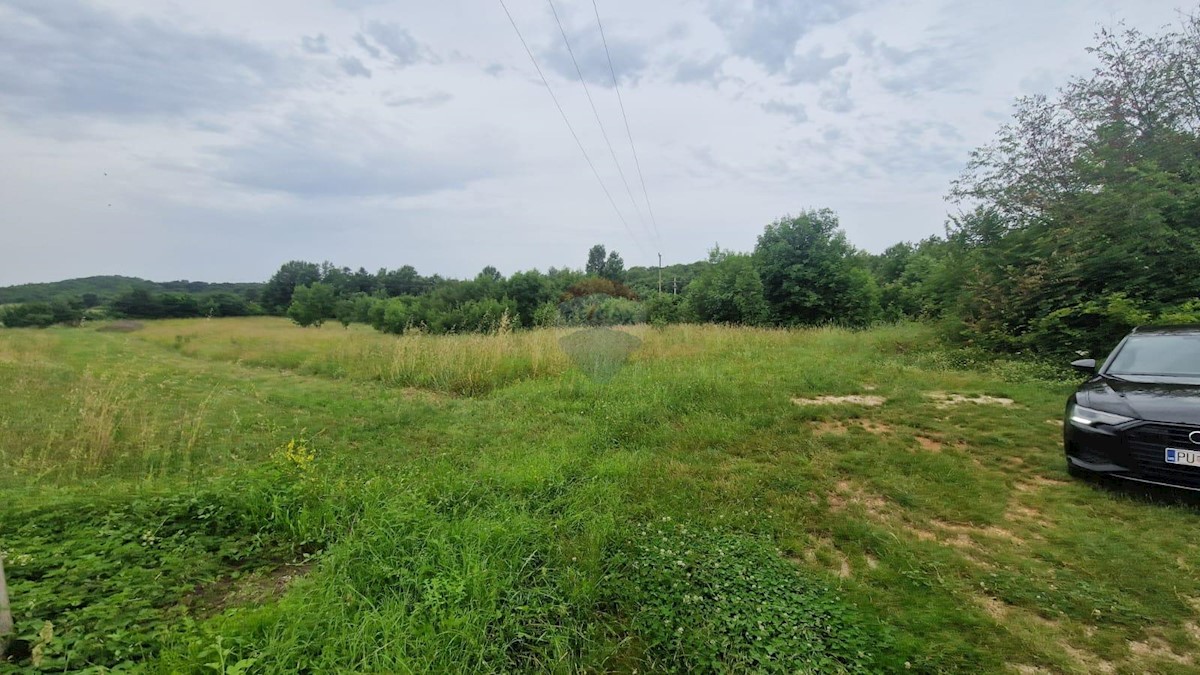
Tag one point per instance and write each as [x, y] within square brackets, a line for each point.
[216, 140]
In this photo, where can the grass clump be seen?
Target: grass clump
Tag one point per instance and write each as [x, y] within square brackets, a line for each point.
[704, 600]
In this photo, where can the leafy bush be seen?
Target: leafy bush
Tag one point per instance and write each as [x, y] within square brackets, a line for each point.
[704, 600]
[664, 308]
[729, 290]
[598, 286]
[1090, 328]
[40, 314]
[601, 310]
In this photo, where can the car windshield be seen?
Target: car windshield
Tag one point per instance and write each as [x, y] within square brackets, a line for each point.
[1162, 355]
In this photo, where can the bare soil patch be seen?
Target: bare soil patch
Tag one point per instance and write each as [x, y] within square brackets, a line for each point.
[1037, 483]
[943, 400]
[252, 589]
[838, 428]
[854, 399]
[1157, 648]
[928, 444]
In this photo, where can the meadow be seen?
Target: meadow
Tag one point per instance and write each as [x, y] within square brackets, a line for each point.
[243, 495]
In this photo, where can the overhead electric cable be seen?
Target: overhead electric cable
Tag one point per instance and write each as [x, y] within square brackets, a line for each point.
[636, 162]
[596, 113]
[569, 127]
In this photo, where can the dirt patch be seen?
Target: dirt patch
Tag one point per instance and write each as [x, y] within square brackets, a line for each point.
[968, 530]
[254, 588]
[854, 399]
[1021, 512]
[1057, 423]
[1089, 662]
[928, 444]
[1037, 483]
[877, 428]
[943, 400]
[1157, 648]
[828, 428]
[848, 493]
[839, 428]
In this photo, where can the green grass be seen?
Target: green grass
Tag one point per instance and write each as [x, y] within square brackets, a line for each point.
[248, 496]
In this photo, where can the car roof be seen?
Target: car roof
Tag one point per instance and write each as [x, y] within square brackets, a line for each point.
[1182, 329]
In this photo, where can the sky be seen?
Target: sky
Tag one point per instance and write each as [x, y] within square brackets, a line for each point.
[214, 141]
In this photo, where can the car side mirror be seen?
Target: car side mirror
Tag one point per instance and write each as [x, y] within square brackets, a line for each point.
[1087, 366]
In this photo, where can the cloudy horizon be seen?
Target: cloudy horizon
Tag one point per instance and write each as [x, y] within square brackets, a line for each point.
[215, 141]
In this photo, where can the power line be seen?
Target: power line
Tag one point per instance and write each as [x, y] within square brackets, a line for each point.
[569, 127]
[596, 113]
[625, 117]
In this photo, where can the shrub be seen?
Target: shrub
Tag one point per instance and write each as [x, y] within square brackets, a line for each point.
[1092, 327]
[598, 286]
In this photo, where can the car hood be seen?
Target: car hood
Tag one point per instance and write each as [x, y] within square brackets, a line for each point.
[1156, 401]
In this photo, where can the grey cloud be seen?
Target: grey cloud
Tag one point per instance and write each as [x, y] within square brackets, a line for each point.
[353, 67]
[766, 31]
[813, 66]
[373, 51]
[628, 57]
[399, 44]
[796, 111]
[494, 69]
[919, 148]
[66, 57]
[309, 157]
[396, 100]
[835, 95]
[314, 44]
[690, 71]
[940, 64]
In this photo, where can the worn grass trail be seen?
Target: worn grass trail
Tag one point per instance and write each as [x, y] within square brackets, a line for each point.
[476, 503]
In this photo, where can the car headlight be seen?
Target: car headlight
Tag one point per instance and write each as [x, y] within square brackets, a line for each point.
[1090, 417]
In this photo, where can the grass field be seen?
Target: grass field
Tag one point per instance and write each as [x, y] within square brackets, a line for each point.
[242, 495]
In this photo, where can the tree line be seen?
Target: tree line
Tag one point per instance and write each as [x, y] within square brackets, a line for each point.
[1078, 221]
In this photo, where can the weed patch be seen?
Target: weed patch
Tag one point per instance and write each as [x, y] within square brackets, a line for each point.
[706, 600]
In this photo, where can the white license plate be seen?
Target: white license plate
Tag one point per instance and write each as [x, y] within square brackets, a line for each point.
[1188, 457]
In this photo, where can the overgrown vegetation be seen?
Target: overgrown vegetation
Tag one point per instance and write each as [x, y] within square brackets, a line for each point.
[246, 493]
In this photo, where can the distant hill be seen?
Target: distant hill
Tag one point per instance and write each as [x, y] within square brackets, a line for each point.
[108, 287]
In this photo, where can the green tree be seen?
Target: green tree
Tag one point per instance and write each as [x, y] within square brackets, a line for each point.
[277, 294]
[312, 304]
[808, 272]
[595, 261]
[614, 267]
[728, 291]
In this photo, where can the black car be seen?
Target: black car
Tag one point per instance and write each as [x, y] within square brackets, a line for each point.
[1138, 416]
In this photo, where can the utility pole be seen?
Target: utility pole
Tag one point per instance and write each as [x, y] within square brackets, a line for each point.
[660, 273]
[675, 286]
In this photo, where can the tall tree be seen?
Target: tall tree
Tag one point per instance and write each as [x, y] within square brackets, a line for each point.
[614, 267]
[277, 294]
[595, 261]
[808, 271]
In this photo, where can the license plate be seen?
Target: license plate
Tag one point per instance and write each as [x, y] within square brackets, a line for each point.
[1188, 457]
